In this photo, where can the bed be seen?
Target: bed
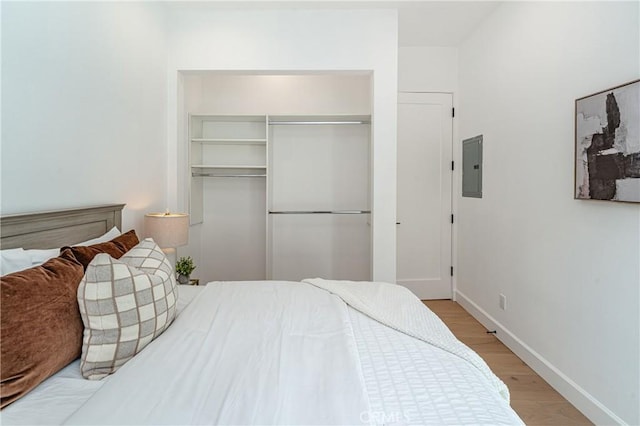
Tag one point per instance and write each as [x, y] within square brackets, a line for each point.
[268, 352]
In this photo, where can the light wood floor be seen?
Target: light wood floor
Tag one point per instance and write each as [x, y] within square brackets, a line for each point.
[532, 398]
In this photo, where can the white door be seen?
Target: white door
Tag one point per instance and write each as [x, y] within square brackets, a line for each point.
[424, 194]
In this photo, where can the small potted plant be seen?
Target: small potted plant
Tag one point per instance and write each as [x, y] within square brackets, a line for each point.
[184, 268]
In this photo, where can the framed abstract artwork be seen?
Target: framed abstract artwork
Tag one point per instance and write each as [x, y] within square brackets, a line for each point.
[607, 150]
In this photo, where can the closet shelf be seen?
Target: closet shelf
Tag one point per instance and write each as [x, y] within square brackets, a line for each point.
[226, 175]
[229, 118]
[230, 141]
[219, 166]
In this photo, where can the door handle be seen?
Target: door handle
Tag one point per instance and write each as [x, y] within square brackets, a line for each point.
[397, 223]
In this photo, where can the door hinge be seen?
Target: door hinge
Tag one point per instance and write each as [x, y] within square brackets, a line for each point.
[453, 165]
[451, 217]
[452, 271]
[453, 112]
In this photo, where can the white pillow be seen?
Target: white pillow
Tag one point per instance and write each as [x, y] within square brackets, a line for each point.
[110, 235]
[38, 257]
[19, 259]
[14, 260]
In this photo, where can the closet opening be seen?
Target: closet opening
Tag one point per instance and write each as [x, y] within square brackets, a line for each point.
[277, 170]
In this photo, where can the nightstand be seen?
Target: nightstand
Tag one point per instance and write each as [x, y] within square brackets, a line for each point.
[194, 281]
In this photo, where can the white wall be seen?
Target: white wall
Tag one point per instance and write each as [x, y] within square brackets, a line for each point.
[83, 107]
[428, 69]
[201, 38]
[570, 269]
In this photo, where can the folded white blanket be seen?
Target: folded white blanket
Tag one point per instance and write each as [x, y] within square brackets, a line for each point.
[398, 308]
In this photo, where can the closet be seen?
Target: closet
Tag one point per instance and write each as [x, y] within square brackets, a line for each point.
[319, 214]
[227, 197]
[279, 186]
[224, 146]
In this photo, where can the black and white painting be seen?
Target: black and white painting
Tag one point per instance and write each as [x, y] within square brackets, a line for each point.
[608, 145]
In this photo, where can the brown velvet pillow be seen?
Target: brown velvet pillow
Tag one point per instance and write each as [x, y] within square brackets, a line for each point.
[114, 248]
[41, 327]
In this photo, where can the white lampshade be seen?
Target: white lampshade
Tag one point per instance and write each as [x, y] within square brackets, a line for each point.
[168, 230]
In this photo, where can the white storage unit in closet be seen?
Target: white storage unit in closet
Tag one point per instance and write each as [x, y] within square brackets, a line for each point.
[228, 168]
[319, 197]
[283, 197]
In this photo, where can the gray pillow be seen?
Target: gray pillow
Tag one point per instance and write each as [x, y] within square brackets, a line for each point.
[125, 303]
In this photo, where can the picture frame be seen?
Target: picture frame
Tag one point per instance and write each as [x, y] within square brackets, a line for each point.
[607, 145]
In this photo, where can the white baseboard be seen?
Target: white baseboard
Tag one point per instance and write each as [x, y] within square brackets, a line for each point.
[581, 399]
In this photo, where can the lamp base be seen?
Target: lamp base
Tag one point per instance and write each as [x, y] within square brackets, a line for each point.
[171, 255]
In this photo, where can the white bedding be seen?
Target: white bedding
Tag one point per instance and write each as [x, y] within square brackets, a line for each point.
[55, 399]
[241, 353]
[396, 307]
[409, 381]
[275, 352]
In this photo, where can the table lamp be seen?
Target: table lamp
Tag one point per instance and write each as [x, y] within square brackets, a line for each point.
[168, 230]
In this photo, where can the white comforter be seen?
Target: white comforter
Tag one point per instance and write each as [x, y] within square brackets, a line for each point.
[242, 353]
[273, 353]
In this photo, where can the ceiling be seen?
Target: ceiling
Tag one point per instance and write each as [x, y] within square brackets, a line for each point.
[420, 22]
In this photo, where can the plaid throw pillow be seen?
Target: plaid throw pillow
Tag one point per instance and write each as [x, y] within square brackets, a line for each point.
[125, 304]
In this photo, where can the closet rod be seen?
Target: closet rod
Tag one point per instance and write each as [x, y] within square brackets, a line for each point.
[288, 123]
[214, 175]
[320, 212]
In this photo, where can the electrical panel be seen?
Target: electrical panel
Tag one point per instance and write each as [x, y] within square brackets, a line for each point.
[472, 167]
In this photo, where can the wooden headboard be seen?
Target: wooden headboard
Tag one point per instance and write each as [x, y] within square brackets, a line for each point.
[58, 228]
